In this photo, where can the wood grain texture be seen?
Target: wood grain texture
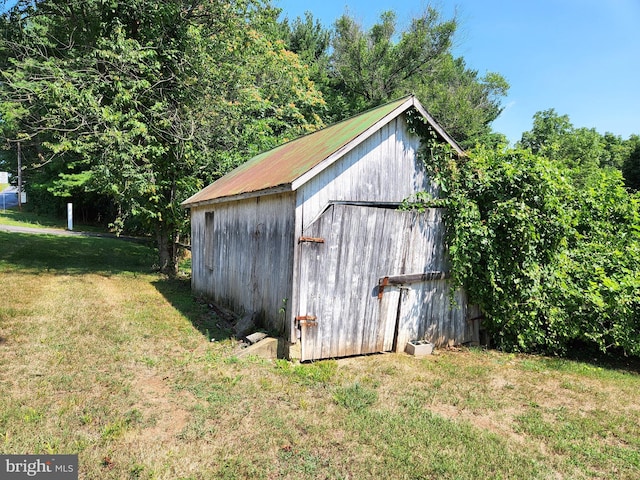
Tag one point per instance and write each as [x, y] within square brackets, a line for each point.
[384, 168]
[242, 255]
[324, 249]
[338, 283]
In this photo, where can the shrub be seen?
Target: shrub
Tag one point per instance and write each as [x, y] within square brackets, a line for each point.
[547, 261]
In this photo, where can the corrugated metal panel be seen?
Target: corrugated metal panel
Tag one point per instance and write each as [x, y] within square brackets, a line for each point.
[283, 165]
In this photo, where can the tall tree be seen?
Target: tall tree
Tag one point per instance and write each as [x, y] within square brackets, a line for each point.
[308, 39]
[145, 101]
[464, 102]
[583, 150]
[548, 130]
[370, 67]
[617, 150]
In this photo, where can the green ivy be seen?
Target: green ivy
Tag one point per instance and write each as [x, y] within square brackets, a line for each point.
[549, 263]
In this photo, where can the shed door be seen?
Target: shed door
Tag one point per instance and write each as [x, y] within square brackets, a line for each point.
[338, 278]
[426, 312]
[343, 254]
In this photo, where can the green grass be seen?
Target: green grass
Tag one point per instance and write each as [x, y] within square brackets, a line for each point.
[72, 255]
[29, 219]
[102, 357]
[25, 218]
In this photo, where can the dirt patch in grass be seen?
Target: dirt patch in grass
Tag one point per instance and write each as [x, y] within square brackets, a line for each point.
[162, 406]
[498, 424]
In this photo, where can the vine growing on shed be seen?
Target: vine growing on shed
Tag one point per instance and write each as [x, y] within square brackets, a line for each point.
[550, 264]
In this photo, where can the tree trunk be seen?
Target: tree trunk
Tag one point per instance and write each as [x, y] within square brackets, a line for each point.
[167, 251]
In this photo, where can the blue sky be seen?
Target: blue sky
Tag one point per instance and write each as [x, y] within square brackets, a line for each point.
[580, 57]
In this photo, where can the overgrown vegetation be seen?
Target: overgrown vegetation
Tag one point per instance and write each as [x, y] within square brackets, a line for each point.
[550, 260]
[124, 376]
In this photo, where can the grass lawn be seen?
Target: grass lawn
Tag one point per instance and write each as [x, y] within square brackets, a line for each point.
[102, 357]
[24, 218]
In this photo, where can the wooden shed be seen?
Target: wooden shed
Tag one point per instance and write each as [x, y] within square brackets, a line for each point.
[309, 238]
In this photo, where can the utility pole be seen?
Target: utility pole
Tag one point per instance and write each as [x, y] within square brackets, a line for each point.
[19, 178]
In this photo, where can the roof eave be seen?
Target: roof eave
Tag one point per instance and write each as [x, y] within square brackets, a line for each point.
[436, 126]
[411, 101]
[286, 188]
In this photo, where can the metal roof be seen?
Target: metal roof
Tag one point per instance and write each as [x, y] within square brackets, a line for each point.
[279, 168]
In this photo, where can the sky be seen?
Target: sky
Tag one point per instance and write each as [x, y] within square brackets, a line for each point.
[579, 57]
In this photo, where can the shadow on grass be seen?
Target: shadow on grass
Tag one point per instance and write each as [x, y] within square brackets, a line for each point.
[73, 255]
[178, 293]
[582, 354]
[614, 360]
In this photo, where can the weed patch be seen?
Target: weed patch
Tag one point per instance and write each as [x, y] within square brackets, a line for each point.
[323, 372]
[355, 397]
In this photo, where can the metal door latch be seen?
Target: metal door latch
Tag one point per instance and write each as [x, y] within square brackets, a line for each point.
[307, 321]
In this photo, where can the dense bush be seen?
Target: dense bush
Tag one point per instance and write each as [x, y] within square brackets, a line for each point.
[549, 263]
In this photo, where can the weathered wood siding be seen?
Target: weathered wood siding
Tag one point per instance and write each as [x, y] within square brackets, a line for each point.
[338, 282]
[242, 255]
[246, 254]
[426, 312]
[383, 168]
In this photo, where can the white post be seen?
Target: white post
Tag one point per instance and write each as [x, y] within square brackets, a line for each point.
[19, 177]
[69, 216]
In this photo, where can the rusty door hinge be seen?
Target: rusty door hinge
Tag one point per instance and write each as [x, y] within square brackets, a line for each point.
[383, 283]
[311, 240]
[307, 320]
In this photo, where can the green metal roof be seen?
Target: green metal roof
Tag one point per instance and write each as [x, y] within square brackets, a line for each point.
[282, 165]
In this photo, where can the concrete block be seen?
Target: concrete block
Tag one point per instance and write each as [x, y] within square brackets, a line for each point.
[256, 337]
[266, 348]
[419, 348]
